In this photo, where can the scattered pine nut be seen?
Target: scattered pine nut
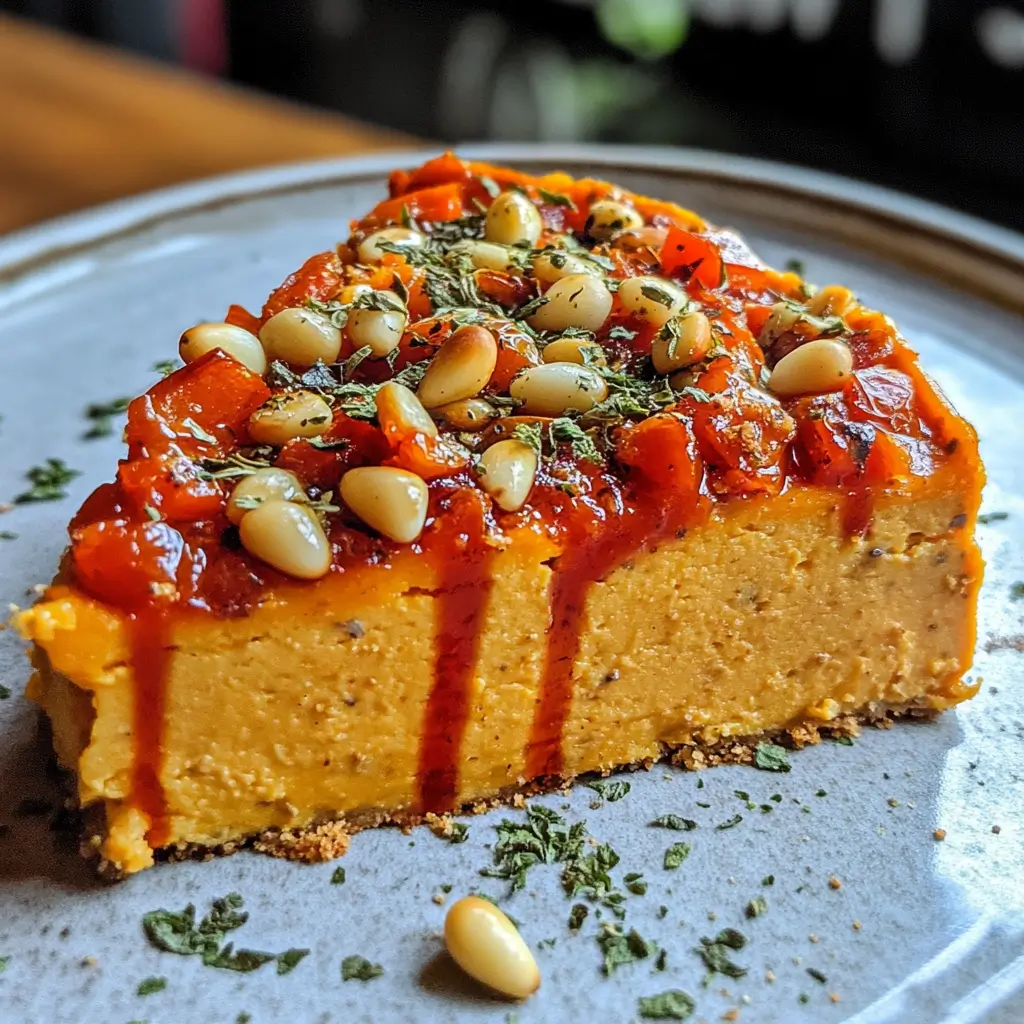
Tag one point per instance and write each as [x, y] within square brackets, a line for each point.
[488, 947]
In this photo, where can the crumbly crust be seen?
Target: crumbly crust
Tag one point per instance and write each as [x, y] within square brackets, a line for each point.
[327, 840]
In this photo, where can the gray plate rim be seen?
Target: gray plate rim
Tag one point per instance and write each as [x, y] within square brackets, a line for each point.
[975, 254]
[945, 244]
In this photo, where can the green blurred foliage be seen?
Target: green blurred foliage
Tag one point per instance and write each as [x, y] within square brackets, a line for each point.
[647, 29]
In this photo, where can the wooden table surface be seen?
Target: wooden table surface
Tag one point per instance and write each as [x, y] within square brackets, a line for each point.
[82, 124]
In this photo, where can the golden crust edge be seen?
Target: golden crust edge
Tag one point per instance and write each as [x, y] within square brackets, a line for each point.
[326, 840]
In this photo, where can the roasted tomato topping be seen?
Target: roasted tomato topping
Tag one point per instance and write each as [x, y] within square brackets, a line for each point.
[630, 366]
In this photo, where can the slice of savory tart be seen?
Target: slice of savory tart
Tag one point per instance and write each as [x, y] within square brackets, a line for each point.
[531, 477]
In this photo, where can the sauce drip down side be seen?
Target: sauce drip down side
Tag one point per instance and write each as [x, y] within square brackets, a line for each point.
[664, 480]
[150, 661]
[587, 560]
[463, 560]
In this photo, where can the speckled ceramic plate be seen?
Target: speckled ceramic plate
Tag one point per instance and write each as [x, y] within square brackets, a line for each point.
[869, 918]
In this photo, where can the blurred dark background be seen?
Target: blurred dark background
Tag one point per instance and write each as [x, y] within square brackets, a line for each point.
[923, 95]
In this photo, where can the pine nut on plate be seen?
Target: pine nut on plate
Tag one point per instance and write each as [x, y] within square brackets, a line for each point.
[681, 342]
[513, 220]
[608, 218]
[470, 414]
[300, 337]
[261, 486]
[554, 389]
[284, 417]
[652, 299]
[287, 536]
[393, 501]
[399, 411]
[461, 369]
[578, 300]
[488, 947]
[236, 342]
[377, 325]
[551, 265]
[507, 471]
[370, 251]
[574, 350]
[813, 368]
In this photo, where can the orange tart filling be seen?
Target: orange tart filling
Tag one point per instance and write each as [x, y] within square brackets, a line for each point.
[531, 477]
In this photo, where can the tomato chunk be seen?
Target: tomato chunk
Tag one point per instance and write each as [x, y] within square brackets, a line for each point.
[239, 316]
[214, 396]
[170, 484]
[427, 457]
[829, 449]
[318, 278]
[880, 395]
[359, 442]
[106, 502]
[661, 450]
[505, 289]
[450, 168]
[742, 432]
[685, 251]
[836, 449]
[197, 412]
[439, 203]
[130, 564]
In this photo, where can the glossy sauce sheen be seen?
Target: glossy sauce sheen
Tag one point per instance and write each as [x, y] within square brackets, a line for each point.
[463, 560]
[161, 529]
[151, 655]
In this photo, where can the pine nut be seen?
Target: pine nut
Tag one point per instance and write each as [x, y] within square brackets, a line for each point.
[784, 317]
[393, 501]
[505, 427]
[681, 342]
[574, 350]
[487, 946]
[552, 265]
[645, 238]
[300, 337]
[369, 250]
[291, 414]
[554, 389]
[814, 367]
[461, 368]
[578, 300]
[513, 220]
[401, 412]
[380, 329]
[233, 341]
[652, 299]
[832, 300]
[608, 218]
[470, 414]
[507, 471]
[487, 255]
[351, 292]
[260, 487]
[287, 536]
